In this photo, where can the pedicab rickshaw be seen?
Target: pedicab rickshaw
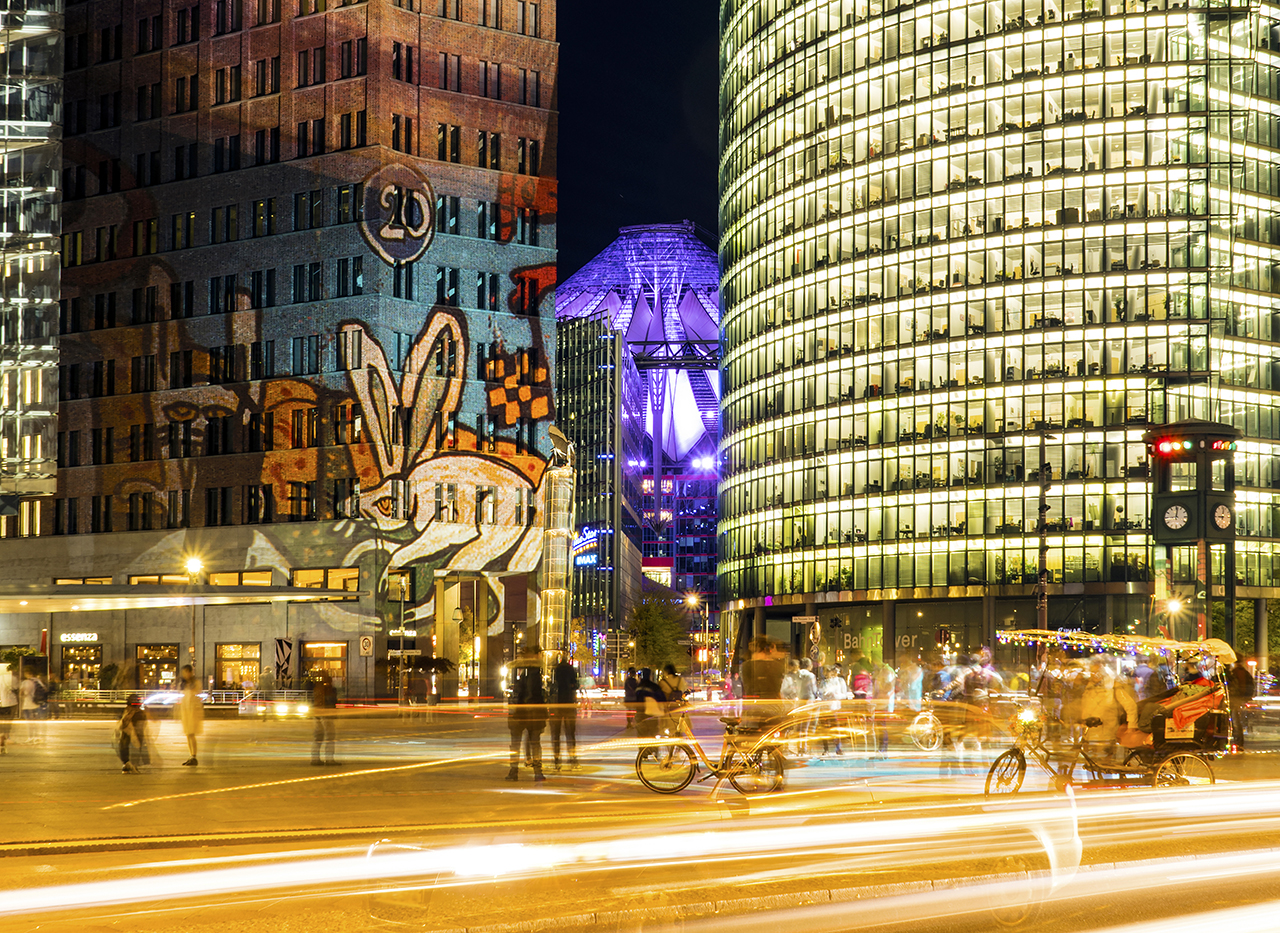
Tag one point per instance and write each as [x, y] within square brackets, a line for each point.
[1177, 732]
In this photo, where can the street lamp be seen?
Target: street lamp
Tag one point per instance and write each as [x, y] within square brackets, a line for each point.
[195, 566]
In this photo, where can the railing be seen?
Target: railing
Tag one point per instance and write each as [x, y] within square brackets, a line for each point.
[210, 697]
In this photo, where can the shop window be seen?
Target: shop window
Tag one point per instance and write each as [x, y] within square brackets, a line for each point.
[334, 578]
[81, 666]
[74, 581]
[328, 657]
[157, 665]
[240, 578]
[238, 666]
[162, 579]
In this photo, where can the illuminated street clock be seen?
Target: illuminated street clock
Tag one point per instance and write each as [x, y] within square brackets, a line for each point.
[1222, 517]
[1176, 517]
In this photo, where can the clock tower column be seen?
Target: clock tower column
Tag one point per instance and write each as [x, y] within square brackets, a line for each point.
[1193, 515]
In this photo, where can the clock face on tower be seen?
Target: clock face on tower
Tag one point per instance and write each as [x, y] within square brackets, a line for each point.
[1222, 517]
[1175, 517]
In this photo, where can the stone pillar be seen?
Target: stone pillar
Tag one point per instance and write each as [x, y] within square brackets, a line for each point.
[1108, 614]
[489, 612]
[888, 631]
[989, 621]
[1260, 634]
[447, 643]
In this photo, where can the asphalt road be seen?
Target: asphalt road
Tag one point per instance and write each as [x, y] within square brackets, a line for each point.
[255, 802]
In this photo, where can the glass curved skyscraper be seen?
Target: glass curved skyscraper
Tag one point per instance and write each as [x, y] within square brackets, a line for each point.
[31, 41]
[969, 248]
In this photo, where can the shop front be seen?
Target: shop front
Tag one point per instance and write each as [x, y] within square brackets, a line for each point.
[238, 665]
[157, 667]
[329, 657]
[81, 665]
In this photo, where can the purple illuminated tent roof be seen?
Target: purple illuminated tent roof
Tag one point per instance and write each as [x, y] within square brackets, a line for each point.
[659, 285]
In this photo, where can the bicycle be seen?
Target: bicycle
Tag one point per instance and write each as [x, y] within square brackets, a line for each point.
[750, 761]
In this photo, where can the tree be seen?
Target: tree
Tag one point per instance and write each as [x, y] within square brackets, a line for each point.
[582, 644]
[656, 625]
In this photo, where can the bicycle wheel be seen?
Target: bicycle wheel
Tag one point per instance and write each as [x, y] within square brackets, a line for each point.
[665, 769]
[1183, 769]
[757, 772]
[1007, 772]
[926, 731]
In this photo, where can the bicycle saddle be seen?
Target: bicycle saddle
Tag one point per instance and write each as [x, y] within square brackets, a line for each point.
[1092, 722]
[731, 720]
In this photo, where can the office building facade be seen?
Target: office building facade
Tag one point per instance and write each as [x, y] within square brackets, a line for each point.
[638, 389]
[306, 328]
[970, 249]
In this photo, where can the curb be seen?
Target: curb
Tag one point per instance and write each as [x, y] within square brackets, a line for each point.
[627, 919]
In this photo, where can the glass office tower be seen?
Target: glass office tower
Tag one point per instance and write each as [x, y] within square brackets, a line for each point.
[30, 151]
[969, 249]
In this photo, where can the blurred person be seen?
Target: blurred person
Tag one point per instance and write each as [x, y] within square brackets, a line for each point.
[131, 733]
[32, 696]
[564, 711]
[912, 682]
[885, 694]
[191, 711]
[324, 705]
[791, 681]
[762, 677]
[1240, 690]
[8, 706]
[650, 710]
[857, 659]
[861, 683]
[1162, 679]
[976, 687]
[1142, 672]
[672, 685]
[806, 694]
[1100, 700]
[526, 711]
[835, 690]
[629, 695]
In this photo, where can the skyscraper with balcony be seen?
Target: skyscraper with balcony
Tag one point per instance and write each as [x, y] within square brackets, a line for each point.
[970, 250]
[306, 332]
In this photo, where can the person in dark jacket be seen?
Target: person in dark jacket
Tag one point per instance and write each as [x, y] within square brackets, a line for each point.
[650, 706]
[1240, 690]
[629, 687]
[526, 711]
[564, 711]
[133, 733]
[324, 703]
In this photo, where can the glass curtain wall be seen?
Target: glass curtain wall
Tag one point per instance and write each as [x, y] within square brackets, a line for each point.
[31, 38]
[970, 247]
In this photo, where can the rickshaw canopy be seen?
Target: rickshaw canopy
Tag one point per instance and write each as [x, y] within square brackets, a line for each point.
[1117, 643]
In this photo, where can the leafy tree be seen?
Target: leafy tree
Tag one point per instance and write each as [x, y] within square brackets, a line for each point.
[581, 644]
[656, 625]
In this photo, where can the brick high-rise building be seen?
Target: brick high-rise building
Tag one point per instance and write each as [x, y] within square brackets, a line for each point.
[306, 333]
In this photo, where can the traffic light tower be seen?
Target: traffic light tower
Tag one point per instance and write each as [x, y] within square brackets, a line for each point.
[1193, 502]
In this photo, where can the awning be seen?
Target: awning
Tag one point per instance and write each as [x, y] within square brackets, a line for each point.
[96, 597]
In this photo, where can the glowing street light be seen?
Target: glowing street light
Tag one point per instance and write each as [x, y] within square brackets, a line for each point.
[195, 566]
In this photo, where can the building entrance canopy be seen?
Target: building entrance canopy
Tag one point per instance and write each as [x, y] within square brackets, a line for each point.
[86, 598]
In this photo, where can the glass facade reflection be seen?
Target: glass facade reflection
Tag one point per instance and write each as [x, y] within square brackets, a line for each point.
[30, 153]
[951, 231]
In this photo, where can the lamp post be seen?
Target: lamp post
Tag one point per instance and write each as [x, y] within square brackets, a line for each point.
[692, 602]
[195, 566]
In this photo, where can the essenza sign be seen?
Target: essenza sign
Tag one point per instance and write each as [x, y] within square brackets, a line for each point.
[68, 638]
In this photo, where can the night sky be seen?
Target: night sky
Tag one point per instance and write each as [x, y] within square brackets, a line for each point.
[637, 103]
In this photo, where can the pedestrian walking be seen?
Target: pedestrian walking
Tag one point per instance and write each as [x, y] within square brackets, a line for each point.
[32, 695]
[191, 712]
[1240, 690]
[629, 687]
[526, 712]
[131, 734]
[324, 705]
[564, 711]
[8, 706]
[650, 706]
